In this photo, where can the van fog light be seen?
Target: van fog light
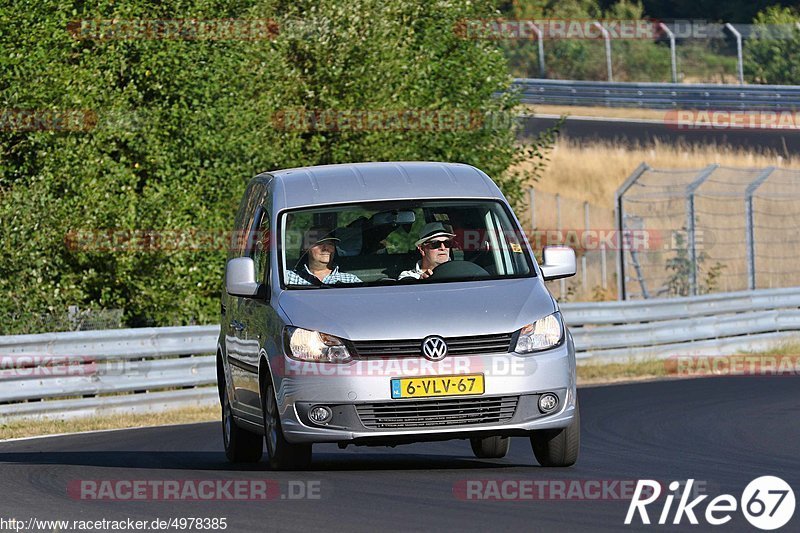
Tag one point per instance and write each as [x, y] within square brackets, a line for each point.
[319, 414]
[548, 402]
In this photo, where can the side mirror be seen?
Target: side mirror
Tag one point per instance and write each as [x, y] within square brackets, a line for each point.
[559, 262]
[240, 279]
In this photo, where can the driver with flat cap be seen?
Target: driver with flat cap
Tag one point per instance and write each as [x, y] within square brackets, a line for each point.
[434, 244]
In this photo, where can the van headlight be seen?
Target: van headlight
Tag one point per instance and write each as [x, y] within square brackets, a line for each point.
[307, 345]
[543, 334]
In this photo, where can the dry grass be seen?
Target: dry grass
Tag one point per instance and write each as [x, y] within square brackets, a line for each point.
[597, 372]
[29, 428]
[600, 373]
[593, 172]
[789, 349]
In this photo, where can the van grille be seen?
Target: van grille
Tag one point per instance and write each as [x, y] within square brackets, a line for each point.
[427, 413]
[455, 346]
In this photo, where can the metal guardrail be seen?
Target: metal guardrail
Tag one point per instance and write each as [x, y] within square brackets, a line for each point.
[658, 95]
[87, 373]
[721, 323]
[149, 369]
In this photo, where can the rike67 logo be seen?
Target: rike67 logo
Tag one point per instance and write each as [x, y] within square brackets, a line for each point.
[767, 503]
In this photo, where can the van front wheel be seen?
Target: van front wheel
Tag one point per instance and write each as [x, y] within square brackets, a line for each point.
[281, 454]
[558, 447]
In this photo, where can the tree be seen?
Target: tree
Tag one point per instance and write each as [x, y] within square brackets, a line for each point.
[177, 127]
[770, 56]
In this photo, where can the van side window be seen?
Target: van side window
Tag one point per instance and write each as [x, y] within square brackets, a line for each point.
[253, 199]
[259, 245]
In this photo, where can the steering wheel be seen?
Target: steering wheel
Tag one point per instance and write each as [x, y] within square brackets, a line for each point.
[455, 269]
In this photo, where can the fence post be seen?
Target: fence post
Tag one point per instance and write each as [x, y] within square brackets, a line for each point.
[603, 267]
[532, 196]
[672, 56]
[558, 211]
[748, 226]
[738, 36]
[562, 284]
[690, 226]
[607, 39]
[584, 280]
[540, 43]
[620, 216]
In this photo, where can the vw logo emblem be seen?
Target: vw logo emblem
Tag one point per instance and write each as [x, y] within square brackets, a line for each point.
[434, 348]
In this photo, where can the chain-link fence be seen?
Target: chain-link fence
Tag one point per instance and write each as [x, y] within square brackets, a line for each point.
[588, 229]
[707, 230]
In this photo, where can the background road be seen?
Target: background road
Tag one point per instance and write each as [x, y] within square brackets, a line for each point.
[630, 132]
[723, 431]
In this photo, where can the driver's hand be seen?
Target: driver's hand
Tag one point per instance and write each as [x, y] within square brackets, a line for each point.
[426, 273]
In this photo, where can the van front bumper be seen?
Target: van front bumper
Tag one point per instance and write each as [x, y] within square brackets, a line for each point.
[363, 411]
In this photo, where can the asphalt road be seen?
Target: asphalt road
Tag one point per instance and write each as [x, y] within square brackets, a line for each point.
[646, 132]
[722, 432]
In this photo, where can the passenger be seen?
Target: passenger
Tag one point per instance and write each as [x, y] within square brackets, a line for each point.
[317, 266]
[434, 246]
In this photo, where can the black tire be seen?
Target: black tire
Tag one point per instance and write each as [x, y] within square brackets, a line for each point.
[558, 447]
[490, 447]
[281, 454]
[241, 446]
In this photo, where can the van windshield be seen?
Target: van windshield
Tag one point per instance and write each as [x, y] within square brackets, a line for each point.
[401, 242]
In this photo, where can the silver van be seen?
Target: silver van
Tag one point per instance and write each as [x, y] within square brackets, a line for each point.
[388, 303]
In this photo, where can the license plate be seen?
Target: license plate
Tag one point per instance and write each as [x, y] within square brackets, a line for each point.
[424, 387]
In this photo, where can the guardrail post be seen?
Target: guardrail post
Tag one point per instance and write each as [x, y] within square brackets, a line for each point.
[748, 226]
[672, 55]
[607, 39]
[690, 227]
[738, 36]
[540, 43]
[641, 169]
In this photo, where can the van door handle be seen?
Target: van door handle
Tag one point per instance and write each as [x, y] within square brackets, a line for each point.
[237, 326]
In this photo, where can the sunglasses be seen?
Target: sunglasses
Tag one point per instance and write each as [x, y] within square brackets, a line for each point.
[435, 245]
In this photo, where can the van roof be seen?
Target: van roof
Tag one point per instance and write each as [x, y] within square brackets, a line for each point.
[354, 182]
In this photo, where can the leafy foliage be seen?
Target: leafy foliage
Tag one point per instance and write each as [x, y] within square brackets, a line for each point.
[681, 267]
[771, 55]
[181, 126]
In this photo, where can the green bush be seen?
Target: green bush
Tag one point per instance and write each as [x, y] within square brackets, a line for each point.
[770, 56]
[181, 126]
